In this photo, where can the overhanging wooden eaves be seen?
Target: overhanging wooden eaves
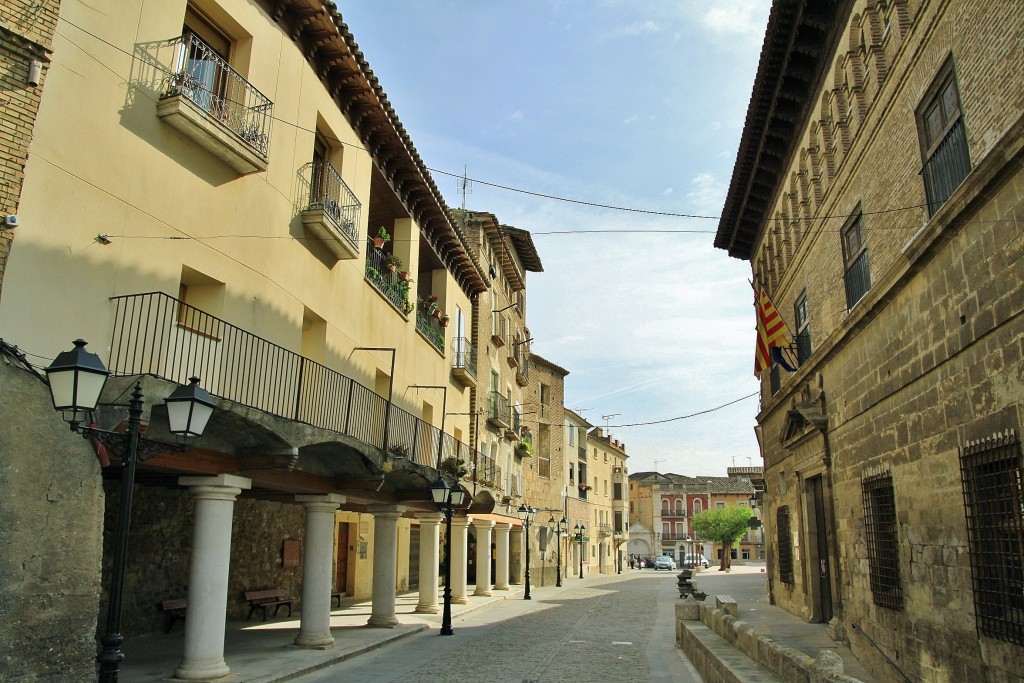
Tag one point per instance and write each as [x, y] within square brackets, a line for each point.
[798, 45]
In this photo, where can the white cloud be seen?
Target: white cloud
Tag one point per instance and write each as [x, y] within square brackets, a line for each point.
[735, 17]
[516, 116]
[631, 120]
[666, 192]
[707, 195]
[716, 125]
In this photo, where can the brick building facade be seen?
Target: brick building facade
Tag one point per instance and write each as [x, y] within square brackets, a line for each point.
[878, 194]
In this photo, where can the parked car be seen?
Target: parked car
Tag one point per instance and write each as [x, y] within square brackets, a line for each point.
[663, 562]
[695, 560]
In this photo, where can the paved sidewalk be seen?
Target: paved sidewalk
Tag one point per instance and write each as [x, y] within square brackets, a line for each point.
[261, 652]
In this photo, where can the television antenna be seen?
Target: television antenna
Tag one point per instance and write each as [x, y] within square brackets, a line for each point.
[656, 465]
[465, 185]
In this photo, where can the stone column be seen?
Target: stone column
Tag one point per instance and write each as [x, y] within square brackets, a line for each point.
[483, 556]
[385, 564]
[317, 566]
[501, 530]
[203, 655]
[430, 539]
[516, 553]
[460, 549]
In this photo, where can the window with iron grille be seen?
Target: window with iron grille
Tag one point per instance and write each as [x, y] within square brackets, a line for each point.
[940, 125]
[785, 545]
[856, 277]
[803, 328]
[883, 544]
[992, 470]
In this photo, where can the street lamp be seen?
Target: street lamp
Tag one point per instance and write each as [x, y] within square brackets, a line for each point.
[618, 552]
[76, 380]
[526, 514]
[580, 529]
[448, 500]
[558, 528]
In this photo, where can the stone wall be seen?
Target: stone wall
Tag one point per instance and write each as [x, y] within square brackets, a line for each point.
[159, 552]
[930, 357]
[51, 511]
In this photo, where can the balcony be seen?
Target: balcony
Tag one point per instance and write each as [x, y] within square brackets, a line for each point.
[464, 361]
[427, 325]
[499, 413]
[332, 213]
[158, 335]
[583, 453]
[486, 472]
[388, 280]
[522, 368]
[213, 105]
[947, 167]
[604, 530]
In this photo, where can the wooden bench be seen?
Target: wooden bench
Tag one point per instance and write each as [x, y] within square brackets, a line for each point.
[173, 611]
[269, 598]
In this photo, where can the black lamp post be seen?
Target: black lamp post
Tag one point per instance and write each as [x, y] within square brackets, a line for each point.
[618, 552]
[580, 529]
[76, 380]
[558, 528]
[448, 500]
[526, 514]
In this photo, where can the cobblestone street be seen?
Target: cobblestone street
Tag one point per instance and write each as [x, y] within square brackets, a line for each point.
[615, 628]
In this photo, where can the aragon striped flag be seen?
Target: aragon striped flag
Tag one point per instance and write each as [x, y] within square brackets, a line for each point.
[771, 331]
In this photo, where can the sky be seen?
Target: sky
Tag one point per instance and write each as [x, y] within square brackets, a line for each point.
[618, 103]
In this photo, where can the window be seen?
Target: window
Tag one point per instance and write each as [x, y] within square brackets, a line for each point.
[943, 138]
[775, 378]
[543, 451]
[572, 435]
[664, 506]
[698, 505]
[803, 328]
[992, 472]
[679, 507]
[617, 491]
[571, 468]
[785, 545]
[883, 545]
[857, 278]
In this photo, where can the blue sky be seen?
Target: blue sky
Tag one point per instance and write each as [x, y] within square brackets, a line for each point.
[629, 104]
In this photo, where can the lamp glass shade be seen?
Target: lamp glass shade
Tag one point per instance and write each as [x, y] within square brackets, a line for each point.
[189, 409]
[76, 380]
[458, 495]
[553, 525]
[439, 491]
[523, 512]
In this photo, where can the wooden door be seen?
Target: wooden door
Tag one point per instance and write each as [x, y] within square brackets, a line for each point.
[341, 580]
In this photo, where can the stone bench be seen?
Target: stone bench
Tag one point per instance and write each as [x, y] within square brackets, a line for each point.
[727, 604]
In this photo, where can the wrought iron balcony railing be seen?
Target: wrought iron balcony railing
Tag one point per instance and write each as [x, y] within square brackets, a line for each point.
[159, 335]
[428, 326]
[208, 81]
[498, 411]
[386, 278]
[464, 355]
[329, 193]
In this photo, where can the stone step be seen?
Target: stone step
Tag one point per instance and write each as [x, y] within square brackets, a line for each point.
[717, 660]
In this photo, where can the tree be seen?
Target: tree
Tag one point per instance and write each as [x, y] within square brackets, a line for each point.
[723, 525]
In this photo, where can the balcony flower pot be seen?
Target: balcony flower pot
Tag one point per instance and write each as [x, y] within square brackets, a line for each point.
[381, 238]
[437, 313]
[392, 262]
[405, 275]
[444, 319]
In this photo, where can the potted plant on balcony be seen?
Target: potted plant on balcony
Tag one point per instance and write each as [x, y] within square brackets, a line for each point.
[405, 276]
[392, 262]
[444, 318]
[524, 449]
[584, 487]
[381, 238]
[454, 468]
